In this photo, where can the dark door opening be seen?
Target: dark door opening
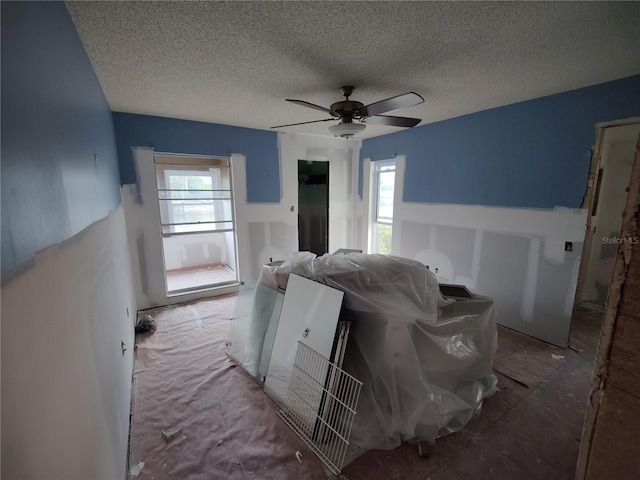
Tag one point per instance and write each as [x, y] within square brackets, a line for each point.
[313, 206]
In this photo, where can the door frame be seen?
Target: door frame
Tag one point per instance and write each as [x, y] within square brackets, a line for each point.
[590, 197]
[328, 185]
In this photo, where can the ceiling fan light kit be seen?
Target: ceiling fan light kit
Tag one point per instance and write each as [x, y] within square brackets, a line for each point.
[349, 110]
[346, 129]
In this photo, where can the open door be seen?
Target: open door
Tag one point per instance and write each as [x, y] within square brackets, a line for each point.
[611, 172]
[313, 206]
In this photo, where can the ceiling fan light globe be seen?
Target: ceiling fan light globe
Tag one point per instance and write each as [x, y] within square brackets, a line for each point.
[346, 130]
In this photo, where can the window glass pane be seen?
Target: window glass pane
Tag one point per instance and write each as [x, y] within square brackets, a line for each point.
[384, 178]
[198, 195]
[194, 211]
[190, 182]
[386, 181]
[199, 182]
[383, 238]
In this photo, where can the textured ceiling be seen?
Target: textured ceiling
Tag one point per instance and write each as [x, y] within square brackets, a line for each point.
[235, 62]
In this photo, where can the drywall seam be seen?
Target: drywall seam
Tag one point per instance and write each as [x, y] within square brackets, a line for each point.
[475, 262]
[530, 282]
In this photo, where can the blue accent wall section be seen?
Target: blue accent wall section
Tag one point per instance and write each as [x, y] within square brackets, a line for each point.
[59, 162]
[169, 135]
[532, 154]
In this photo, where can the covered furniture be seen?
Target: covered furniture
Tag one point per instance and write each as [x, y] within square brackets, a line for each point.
[425, 361]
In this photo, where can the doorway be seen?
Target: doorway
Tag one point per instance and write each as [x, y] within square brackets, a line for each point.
[197, 222]
[611, 170]
[313, 206]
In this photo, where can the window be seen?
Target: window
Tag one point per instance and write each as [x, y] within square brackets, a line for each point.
[384, 181]
[195, 198]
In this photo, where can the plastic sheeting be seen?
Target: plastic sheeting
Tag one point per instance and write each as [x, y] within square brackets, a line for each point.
[426, 362]
[217, 423]
[276, 274]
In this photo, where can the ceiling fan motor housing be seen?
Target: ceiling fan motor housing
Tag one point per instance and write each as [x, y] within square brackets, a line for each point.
[347, 109]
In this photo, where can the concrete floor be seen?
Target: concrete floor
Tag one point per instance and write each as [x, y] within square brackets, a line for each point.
[530, 429]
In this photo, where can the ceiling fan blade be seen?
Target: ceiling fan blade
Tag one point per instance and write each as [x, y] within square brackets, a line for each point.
[314, 106]
[302, 123]
[393, 103]
[392, 121]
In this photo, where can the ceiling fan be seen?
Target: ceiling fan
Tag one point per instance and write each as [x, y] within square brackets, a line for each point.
[349, 110]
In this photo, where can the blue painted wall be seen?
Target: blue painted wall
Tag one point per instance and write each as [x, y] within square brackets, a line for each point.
[197, 138]
[59, 163]
[531, 154]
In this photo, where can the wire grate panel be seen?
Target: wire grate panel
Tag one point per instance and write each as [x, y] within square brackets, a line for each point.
[321, 405]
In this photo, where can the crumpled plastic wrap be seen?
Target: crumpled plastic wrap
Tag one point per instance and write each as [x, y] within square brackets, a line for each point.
[276, 274]
[426, 362]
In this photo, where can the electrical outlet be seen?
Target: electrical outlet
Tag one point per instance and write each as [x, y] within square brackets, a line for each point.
[568, 246]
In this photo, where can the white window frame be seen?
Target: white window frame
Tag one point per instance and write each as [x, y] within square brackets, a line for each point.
[377, 220]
